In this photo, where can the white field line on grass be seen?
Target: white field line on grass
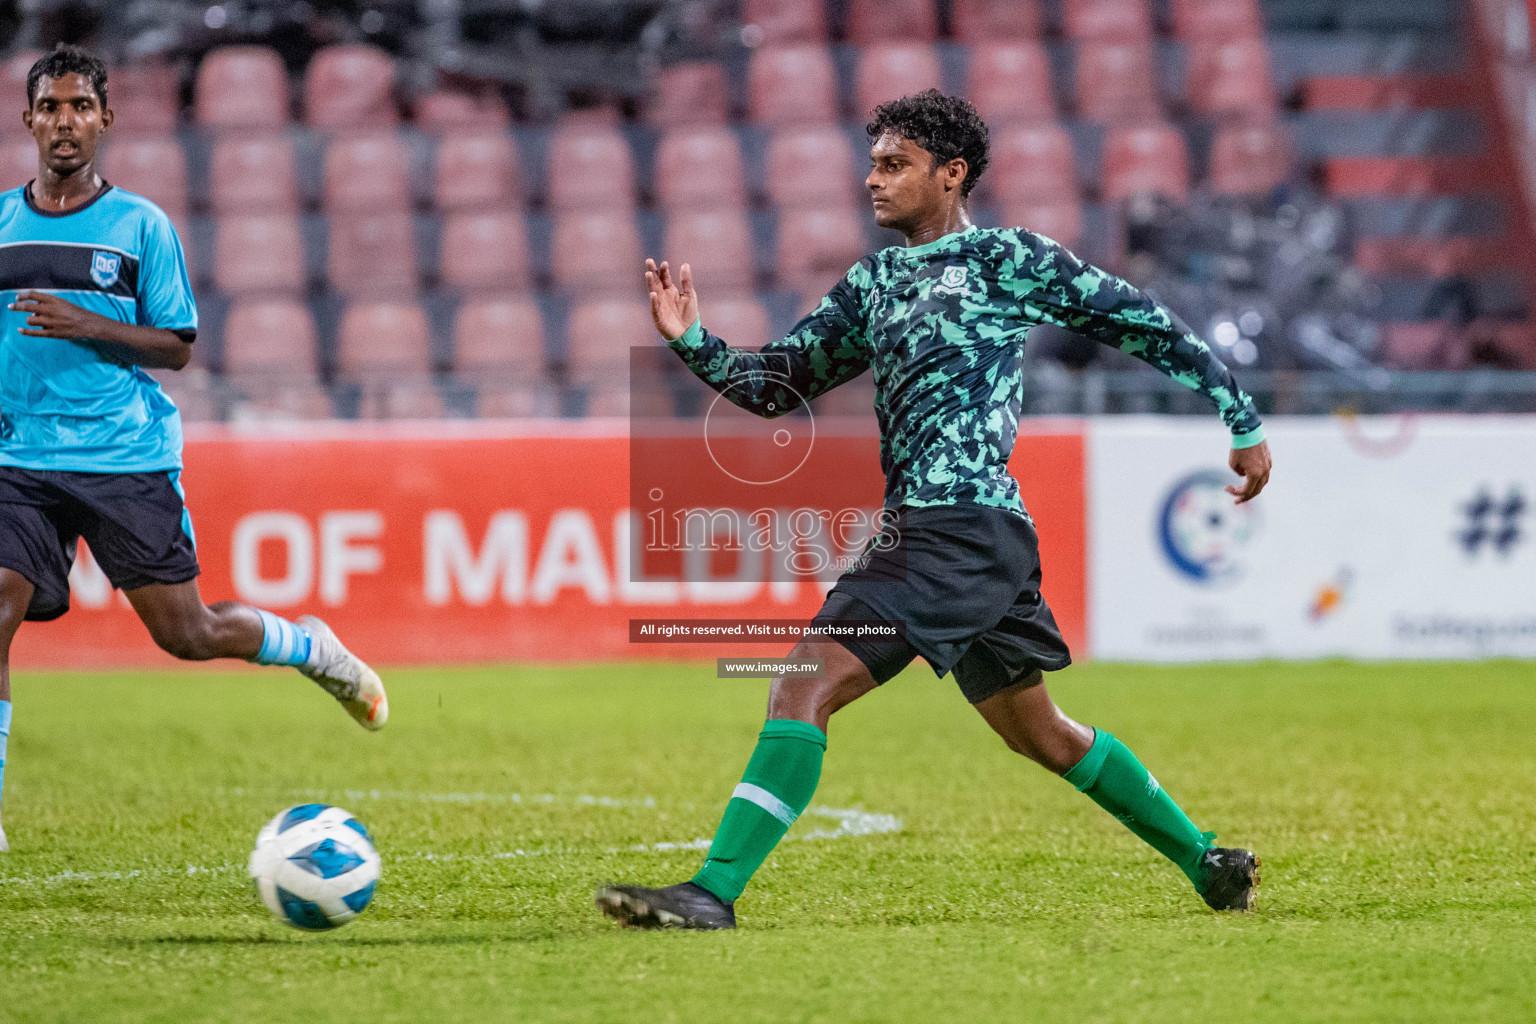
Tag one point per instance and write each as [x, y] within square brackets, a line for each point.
[850, 823]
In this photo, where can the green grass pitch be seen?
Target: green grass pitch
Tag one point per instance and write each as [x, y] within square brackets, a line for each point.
[1394, 806]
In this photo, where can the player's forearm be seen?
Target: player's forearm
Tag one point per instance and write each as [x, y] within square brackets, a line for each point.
[755, 381]
[153, 347]
[1179, 353]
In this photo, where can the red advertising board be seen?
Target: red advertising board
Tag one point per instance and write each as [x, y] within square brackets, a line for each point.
[479, 542]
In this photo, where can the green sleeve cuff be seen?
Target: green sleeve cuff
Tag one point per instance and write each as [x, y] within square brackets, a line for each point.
[1248, 440]
[692, 336]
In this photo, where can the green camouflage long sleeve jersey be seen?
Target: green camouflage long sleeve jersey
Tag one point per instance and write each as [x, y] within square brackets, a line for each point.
[942, 325]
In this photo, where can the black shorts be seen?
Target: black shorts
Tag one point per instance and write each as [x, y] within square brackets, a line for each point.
[135, 523]
[965, 581]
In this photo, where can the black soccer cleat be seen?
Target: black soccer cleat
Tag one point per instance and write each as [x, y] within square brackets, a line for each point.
[1231, 879]
[677, 906]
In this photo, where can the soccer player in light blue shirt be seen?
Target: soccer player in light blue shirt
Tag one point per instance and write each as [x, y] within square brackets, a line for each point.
[95, 288]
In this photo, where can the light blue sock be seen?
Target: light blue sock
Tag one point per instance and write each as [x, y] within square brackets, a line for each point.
[5, 734]
[282, 642]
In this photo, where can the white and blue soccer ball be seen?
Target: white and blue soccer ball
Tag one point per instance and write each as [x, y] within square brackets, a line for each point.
[315, 867]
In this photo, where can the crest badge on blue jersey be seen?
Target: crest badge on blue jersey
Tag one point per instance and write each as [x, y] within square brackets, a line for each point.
[104, 268]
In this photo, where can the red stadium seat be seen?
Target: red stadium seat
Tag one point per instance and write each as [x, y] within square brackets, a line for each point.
[878, 21]
[718, 247]
[485, 251]
[372, 254]
[1011, 81]
[590, 168]
[154, 168]
[889, 71]
[817, 247]
[741, 321]
[700, 168]
[813, 167]
[1250, 159]
[385, 336]
[18, 162]
[367, 172]
[1116, 81]
[348, 87]
[272, 337]
[1217, 19]
[253, 175]
[478, 171]
[1230, 77]
[600, 335]
[14, 77]
[1117, 20]
[1060, 220]
[241, 88]
[145, 100]
[445, 111]
[259, 254]
[983, 21]
[261, 398]
[689, 94]
[1031, 163]
[501, 336]
[597, 253]
[792, 85]
[392, 398]
[1146, 158]
[786, 21]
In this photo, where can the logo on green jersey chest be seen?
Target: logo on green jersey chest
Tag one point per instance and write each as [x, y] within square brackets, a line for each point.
[953, 282]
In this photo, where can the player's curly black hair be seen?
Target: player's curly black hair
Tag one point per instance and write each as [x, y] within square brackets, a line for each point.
[68, 60]
[946, 126]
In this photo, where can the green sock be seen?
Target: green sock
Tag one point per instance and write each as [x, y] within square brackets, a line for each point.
[1112, 777]
[777, 785]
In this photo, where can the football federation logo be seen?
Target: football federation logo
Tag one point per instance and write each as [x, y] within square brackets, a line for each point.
[953, 282]
[104, 268]
[1202, 533]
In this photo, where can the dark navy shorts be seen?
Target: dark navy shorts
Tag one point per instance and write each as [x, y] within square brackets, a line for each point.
[964, 580]
[136, 524]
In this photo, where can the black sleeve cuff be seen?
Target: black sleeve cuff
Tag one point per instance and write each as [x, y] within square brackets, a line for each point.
[186, 334]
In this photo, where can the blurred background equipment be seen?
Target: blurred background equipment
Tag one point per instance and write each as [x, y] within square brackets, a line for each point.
[1336, 195]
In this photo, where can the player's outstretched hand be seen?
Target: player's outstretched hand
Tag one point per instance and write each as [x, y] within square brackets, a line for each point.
[674, 306]
[1253, 465]
[53, 317]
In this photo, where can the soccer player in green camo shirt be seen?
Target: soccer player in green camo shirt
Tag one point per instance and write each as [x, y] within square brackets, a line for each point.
[941, 324]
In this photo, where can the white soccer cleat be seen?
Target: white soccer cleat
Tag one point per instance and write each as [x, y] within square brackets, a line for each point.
[4, 846]
[345, 676]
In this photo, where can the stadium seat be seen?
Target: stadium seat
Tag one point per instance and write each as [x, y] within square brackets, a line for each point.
[1146, 158]
[262, 398]
[372, 254]
[392, 398]
[699, 169]
[384, 337]
[1058, 219]
[145, 100]
[889, 71]
[1116, 81]
[693, 93]
[878, 21]
[816, 248]
[1011, 81]
[812, 167]
[792, 85]
[241, 88]
[14, 75]
[1031, 163]
[1117, 20]
[600, 335]
[1217, 19]
[1230, 77]
[444, 111]
[716, 244]
[273, 337]
[1250, 159]
[741, 321]
[485, 251]
[597, 252]
[154, 168]
[259, 254]
[477, 170]
[348, 87]
[786, 21]
[501, 336]
[984, 21]
[590, 168]
[366, 172]
[18, 162]
[253, 175]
